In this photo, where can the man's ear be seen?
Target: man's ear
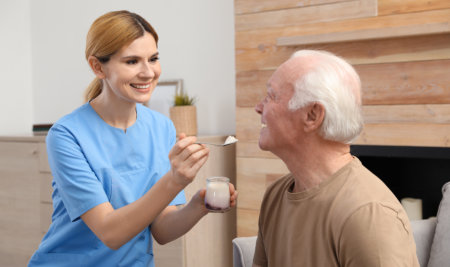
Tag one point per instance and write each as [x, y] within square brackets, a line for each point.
[315, 114]
[97, 67]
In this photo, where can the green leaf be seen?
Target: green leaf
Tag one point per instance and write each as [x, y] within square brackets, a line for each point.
[182, 99]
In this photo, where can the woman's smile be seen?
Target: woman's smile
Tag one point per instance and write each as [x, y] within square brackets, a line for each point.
[143, 88]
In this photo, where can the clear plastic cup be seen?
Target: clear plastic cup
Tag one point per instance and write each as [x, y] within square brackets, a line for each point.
[217, 197]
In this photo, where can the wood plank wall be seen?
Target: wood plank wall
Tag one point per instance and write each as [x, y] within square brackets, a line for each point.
[406, 81]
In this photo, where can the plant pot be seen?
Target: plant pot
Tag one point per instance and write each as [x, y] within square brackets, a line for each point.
[185, 119]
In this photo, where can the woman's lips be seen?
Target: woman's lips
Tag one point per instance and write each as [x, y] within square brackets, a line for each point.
[140, 86]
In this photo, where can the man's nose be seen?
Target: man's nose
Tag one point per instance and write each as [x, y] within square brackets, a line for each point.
[259, 107]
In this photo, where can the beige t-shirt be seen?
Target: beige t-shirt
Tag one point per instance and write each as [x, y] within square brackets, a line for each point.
[351, 219]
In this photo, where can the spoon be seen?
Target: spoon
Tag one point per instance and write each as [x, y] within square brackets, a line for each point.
[230, 140]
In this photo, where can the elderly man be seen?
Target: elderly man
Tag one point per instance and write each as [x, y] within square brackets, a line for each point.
[330, 210]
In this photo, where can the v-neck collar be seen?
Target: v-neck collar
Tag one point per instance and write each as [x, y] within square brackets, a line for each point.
[126, 131]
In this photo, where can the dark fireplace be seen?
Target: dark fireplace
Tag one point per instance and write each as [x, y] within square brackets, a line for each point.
[418, 172]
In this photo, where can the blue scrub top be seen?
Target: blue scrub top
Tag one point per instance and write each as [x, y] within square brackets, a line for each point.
[92, 163]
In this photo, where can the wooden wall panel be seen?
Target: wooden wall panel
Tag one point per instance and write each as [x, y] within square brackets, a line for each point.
[248, 125]
[255, 6]
[309, 14]
[425, 82]
[430, 113]
[388, 7]
[404, 49]
[406, 86]
[247, 221]
[251, 87]
[411, 134]
[267, 36]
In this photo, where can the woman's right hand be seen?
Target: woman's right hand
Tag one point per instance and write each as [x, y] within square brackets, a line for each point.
[186, 159]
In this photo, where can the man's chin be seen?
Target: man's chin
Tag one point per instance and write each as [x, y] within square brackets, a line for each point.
[262, 145]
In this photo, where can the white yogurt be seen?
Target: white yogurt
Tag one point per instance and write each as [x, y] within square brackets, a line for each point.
[230, 140]
[217, 194]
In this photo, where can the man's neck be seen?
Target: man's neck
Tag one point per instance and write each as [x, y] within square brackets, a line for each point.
[315, 161]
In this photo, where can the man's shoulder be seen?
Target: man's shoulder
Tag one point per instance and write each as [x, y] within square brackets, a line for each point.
[276, 190]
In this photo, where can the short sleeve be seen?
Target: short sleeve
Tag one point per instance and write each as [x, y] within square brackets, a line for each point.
[377, 235]
[76, 183]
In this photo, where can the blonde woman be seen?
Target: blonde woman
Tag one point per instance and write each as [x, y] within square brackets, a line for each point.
[118, 172]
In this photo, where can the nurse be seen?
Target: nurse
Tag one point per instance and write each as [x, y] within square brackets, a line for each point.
[118, 172]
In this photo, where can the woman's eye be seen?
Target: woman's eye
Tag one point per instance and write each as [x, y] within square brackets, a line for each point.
[154, 59]
[132, 61]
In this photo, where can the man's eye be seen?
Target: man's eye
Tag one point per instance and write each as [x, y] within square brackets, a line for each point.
[154, 59]
[132, 61]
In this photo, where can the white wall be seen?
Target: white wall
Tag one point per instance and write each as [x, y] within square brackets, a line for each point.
[16, 94]
[196, 44]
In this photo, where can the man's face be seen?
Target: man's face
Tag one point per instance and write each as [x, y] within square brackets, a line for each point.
[279, 124]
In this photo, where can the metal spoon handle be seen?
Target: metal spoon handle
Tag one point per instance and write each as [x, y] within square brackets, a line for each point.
[206, 143]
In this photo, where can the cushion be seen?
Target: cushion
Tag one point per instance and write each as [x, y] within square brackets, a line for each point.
[243, 251]
[423, 235]
[439, 254]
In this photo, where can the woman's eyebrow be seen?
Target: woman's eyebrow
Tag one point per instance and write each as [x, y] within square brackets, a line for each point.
[134, 56]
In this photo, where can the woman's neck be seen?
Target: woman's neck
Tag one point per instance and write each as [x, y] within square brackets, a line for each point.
[118, 114]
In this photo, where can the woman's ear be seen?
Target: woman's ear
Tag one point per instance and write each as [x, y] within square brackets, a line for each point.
[314, 116]
[96, 66]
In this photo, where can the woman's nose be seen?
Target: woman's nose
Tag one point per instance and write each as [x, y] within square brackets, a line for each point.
[147, 70]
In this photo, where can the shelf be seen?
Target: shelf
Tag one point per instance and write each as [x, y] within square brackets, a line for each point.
[366, 34]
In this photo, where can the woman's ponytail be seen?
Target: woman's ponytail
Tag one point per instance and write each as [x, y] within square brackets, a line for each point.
[93, 90]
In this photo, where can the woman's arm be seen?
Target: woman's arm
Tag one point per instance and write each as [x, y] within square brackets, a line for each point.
[173, 223]
[116, 227]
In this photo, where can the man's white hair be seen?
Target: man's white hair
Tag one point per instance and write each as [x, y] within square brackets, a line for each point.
[332, 82]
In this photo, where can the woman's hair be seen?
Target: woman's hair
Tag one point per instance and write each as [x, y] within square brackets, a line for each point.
[108, 34]
[332, 82]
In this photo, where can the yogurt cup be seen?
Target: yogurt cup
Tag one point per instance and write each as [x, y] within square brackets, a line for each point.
[217, 197]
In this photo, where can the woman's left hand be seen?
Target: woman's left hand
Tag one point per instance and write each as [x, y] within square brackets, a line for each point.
[233, 196]
[199, 197]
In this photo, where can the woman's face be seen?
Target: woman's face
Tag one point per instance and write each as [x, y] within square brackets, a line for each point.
[132, 73]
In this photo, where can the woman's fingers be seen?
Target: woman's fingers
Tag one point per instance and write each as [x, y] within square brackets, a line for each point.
[193, 153]
[182, 144]
[233, 195]
[187, 158]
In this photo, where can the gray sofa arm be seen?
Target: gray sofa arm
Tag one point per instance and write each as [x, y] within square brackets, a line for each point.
[243, 251]
[423, 231]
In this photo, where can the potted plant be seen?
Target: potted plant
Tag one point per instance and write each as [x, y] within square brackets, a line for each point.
[184, 114]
